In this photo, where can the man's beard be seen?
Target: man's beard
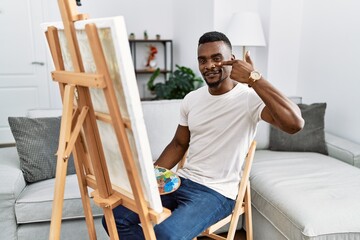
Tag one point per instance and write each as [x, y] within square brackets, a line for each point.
[217, 83]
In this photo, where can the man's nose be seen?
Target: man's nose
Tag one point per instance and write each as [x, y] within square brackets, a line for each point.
[210, 65]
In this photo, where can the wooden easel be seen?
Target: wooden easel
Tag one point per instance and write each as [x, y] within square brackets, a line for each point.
[79, 134]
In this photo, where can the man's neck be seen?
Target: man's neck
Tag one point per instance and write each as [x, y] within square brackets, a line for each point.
[224, 87]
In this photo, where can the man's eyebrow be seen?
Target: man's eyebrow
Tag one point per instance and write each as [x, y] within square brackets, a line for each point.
[212, 56]
[216, 55]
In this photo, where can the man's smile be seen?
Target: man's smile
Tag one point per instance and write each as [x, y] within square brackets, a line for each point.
[212, 73]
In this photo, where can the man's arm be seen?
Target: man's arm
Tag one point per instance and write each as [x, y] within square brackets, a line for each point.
[279, 110]
[176, 149]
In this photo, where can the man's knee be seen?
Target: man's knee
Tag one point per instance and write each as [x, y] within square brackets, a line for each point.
[164, 233]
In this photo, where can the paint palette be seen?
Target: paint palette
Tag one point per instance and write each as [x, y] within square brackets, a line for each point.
[167, 180]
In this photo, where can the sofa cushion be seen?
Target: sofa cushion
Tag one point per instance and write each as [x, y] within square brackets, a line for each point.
[306, 195]
[37, 141]
[310, 139]
[262, 136]
[35, 203]
[161, 121]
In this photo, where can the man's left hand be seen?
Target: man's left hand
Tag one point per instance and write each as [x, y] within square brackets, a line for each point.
[240, 69]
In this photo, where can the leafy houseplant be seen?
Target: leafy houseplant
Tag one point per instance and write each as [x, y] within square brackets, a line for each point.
[182, 81]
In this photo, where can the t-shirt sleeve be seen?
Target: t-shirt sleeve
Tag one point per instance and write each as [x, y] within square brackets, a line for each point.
[255, 105]
[183, 121]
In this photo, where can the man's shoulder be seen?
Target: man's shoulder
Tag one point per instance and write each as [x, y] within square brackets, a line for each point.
[196, 93]
[193, 98]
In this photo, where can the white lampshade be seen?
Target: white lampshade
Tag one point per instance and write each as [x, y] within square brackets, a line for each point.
[245, 30]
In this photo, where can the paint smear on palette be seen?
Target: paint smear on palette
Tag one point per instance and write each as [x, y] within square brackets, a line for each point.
[167, 180]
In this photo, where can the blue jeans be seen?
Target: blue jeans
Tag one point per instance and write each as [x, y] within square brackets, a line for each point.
[194, 208]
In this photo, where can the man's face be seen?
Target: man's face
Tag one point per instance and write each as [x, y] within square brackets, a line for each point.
[210, 55]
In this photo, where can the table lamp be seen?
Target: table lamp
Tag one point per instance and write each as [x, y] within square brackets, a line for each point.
[245, 30]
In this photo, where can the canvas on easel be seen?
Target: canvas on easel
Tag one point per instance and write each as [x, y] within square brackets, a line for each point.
[102, 122]
[113, 36]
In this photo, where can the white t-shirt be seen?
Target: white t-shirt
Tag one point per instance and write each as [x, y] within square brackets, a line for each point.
[222, 128]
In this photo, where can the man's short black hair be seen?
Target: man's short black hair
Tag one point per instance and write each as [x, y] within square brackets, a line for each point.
[213, 37]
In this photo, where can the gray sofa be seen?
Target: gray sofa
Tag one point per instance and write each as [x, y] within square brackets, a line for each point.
[295, 195]
[306, 195]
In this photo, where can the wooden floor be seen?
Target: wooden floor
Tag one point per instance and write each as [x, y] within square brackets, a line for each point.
[240, 235]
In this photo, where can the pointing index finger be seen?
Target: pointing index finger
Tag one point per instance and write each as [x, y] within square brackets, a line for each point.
[227, 63]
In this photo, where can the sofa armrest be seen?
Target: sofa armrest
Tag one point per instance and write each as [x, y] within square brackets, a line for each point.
[12, 183]
[43, 112]
[343, 149]
[11, 177]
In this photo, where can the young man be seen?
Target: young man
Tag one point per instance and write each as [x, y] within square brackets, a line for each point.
[217, 124]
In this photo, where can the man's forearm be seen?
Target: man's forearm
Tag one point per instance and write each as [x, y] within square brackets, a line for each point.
[285, 113]
[171, 155]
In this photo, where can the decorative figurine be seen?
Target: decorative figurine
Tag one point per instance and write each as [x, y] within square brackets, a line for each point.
[151, 63]
[146, 35]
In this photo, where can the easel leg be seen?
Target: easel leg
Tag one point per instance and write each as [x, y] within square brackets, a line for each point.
[248, 213]
[61, 165]
[77, 148]
[110, 222]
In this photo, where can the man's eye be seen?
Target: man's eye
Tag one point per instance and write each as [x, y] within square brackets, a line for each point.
[217, 59]
[202, 61]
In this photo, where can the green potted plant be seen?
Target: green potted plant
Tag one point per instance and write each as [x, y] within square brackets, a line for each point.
[182, 81]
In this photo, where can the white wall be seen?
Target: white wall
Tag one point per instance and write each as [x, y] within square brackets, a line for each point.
[222, 18]
[191, 20]
[329, 63]
[312, 46]
[284, 44]
[155, 16]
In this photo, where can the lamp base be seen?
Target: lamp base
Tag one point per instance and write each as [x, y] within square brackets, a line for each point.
[243, 52]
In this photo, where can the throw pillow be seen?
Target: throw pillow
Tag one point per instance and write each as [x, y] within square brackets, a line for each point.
[310, 139]
[37, 141]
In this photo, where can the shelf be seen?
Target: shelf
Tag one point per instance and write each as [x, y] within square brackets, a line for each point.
[144, 71]
[149, 40]
[167, 45]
